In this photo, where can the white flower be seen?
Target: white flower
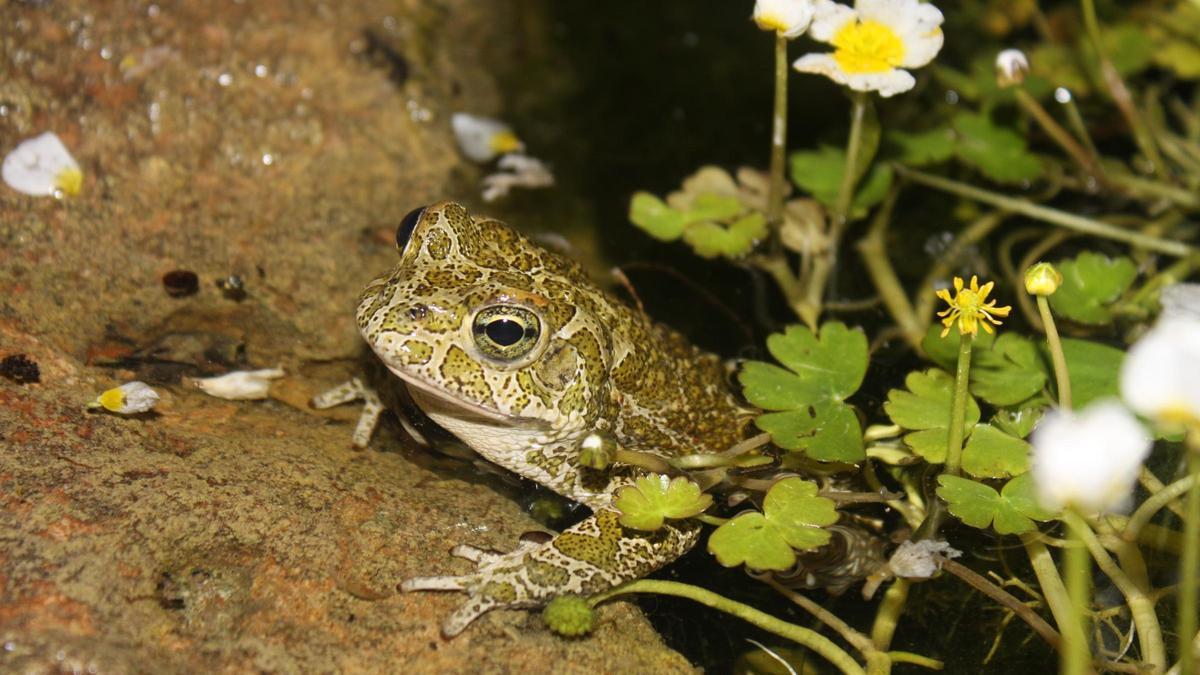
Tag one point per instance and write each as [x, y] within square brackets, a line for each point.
[240, 385]
[1089, 460]
[921, 559]
[127, 399]
[789, 18]
[1011, 67]
[874, 42]
[481, 139]
[1161, 374]
[516, 171]
[1179, 301]
[42, 166]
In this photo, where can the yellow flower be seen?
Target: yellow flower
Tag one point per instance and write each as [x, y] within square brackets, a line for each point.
[970, 307]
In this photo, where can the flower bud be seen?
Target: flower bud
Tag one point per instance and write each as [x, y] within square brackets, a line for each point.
[789, 18]
[1011, 67]
[1042, 279]
[569, 616]
[596, 451]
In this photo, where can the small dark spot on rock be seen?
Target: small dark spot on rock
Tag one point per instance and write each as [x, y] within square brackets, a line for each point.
[350, 618]
[433, 646]
[233, 287]
[383, 52]
[181, 283]
[20, 369]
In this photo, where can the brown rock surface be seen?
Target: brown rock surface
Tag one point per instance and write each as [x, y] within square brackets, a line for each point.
[273, 141]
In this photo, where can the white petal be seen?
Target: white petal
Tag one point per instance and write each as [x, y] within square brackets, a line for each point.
[828, 19]
[1180, 301]
[37, 165]
[917, 24]
[240, 385]
[789, 17]
[1161, 373]
[1089, 460]
[887, 83]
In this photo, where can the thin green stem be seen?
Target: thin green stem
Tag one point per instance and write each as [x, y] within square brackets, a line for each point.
[850, 171]
[888, 615]
[1076, 656]
[1046, 214]
[1053, 589]
[1153, 504]
[873, 249]
[958, 410]
[778, 136]
[1061, 375]
[805, 637]
[1085, 160]
[1080, 127]
[1189, 562]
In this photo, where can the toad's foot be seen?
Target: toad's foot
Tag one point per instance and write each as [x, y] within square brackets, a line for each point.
[590, 557]
[354, 390]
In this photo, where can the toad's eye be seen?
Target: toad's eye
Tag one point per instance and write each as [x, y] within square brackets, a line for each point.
[407, 225]
[505, 332]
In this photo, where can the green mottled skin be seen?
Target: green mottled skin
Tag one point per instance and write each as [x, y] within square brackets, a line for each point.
[598, 366]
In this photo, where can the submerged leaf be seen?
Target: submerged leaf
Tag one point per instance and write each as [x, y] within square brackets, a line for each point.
[651, 499]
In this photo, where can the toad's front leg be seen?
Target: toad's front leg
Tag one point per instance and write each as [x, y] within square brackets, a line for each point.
[592, 556]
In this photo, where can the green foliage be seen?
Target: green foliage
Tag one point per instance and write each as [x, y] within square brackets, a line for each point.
[1091, 282]
[1176, 34]
[1010, 511]
[792, 518]
[993, 453]
[1076, 66]
[819, 373]
[819, 173]
[651, 499]
[1017, 422]
[709, 213]
[1000, 153]
[925, 408]
[922, 149]
[1093, 369]
[1005, 369]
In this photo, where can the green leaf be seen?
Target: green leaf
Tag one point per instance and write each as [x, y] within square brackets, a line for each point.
[652, 498]
[1177, 35]
[1010, 372]
[827, 432]
[1093, 369]
[991, 453]
[924, 148]
[1005, 370]
[711, 206]
[999, 153]
[819, 172]
[827, 367]
[1019, 422]
[930, 444]
[792, 518]
[654, 217]
[926, 403]
[1011, 511]
[1090, 282]
[709, 239]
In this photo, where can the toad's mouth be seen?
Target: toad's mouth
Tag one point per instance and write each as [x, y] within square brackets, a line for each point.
[436, 400]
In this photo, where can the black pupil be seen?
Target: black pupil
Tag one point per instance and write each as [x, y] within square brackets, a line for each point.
[405, 230]
[504, 332]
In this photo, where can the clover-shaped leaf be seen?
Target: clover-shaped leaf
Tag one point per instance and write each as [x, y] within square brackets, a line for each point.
[821, 370]
[925, 408]
[1090, 283]
[992, 453]
[1010, 511]
[710, 239]
[1005, 370]
[998, 152]
[1093, 369]
[652, 498]
[655, 218]
[828, 431]
[1019, 422]
[792, 518]
[819, 172]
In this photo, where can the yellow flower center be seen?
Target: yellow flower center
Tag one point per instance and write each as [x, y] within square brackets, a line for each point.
[69, 180]
[113, 399]
[504, 142]
[867, 47]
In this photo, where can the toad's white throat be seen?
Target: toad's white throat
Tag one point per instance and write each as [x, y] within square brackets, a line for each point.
[440, 404]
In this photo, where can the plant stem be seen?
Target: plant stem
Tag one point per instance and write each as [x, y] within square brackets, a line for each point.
[985, 586]
[888, 615]
[958, 410]
[873, 249]
[1059, 135]
[1025, 207]
[778, 136]
[1076, 655]
[1153, 504]
[1057, 598]
[1120, 92]
[940, 267]
[1079, 125]
[805, 637]
[1061, 375]
[1189, 562]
